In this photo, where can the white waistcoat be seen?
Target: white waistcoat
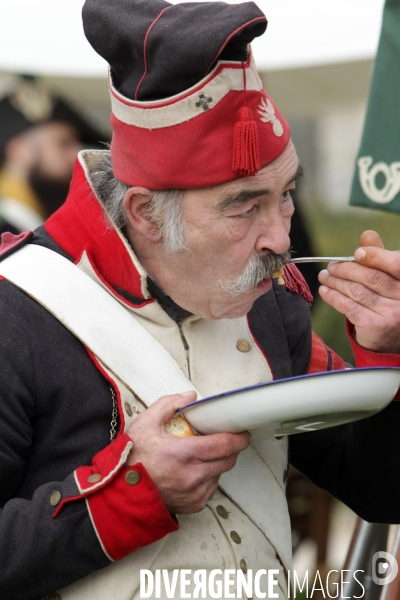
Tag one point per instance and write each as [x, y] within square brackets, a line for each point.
[252, 494]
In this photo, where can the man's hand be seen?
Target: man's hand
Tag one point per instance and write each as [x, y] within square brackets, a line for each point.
[368, 293]
[185, 470]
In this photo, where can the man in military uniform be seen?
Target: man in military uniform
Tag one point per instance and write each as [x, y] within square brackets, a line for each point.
[179, 228]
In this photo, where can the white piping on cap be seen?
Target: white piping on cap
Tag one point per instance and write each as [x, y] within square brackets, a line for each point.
[150, 115]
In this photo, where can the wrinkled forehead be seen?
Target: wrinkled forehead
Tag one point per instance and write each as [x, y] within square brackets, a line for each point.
[271, 179]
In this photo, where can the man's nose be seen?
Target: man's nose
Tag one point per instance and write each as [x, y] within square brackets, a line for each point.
[273, 237]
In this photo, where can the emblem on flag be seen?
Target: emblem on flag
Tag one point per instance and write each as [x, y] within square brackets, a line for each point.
[391, 173]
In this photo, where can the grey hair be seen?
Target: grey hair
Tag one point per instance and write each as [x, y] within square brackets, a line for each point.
[164, 208]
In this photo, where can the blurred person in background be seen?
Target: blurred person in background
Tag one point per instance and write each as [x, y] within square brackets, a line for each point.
[40, 136]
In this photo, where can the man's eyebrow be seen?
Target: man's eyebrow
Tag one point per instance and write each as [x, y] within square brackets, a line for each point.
[240, 198]
[246, 195]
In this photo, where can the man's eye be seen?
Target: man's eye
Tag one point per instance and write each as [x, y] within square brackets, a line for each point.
[248, 213]
[286, 196]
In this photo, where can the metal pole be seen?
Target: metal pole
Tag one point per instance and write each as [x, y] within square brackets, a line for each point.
[369, 538]
[387, 590]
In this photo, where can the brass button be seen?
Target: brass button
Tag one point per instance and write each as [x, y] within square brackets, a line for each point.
[128, 409]
[236, 537]
[55, 498]
[243, 346]
[285, 476]
[243, 566]
[94, 478]
[221, 510]
[53, 596]
[132, 477]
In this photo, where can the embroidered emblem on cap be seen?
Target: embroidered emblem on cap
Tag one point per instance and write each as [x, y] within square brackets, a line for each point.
[267, 112]
[204, 102]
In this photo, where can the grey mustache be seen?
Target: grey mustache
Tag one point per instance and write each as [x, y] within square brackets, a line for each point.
[257, 269]
[273, 262]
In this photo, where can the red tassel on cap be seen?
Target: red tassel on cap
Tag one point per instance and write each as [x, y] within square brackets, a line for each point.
[246, 149]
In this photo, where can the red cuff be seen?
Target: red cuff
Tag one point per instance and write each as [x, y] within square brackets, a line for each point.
[322, 357]
[368, 358]
[129, 513]
[124, 504]
[105, 465]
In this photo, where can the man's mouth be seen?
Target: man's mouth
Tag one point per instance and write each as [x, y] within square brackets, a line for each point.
[257, 274]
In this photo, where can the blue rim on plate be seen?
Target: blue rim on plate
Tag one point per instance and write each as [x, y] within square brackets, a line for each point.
[296, 404]
[275, 381]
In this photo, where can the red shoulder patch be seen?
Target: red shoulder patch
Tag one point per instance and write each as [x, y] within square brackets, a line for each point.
[10, 242]
[295, 282]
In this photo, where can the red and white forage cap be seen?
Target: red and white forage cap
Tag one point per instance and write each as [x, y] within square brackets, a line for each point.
[188, 107]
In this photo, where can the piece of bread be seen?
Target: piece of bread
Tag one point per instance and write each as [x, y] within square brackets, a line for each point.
[279, 276]
[179, 427]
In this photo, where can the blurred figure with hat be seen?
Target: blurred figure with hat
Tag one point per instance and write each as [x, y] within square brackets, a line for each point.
[40, 136]
[181, 233]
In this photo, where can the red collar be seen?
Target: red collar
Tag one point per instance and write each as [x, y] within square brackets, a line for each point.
[81, 225]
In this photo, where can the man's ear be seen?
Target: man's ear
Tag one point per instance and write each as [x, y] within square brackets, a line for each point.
[136, 201]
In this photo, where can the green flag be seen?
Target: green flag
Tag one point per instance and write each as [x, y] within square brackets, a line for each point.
[376, 182]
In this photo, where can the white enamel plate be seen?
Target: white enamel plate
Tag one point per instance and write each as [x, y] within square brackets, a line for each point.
[296, 404]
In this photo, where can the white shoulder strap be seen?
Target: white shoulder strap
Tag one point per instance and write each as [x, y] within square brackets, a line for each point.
[103, 325]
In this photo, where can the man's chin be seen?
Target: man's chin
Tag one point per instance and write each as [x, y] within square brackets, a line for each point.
[241, 304]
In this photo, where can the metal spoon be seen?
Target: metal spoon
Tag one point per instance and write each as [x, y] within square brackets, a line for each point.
[309, 259]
